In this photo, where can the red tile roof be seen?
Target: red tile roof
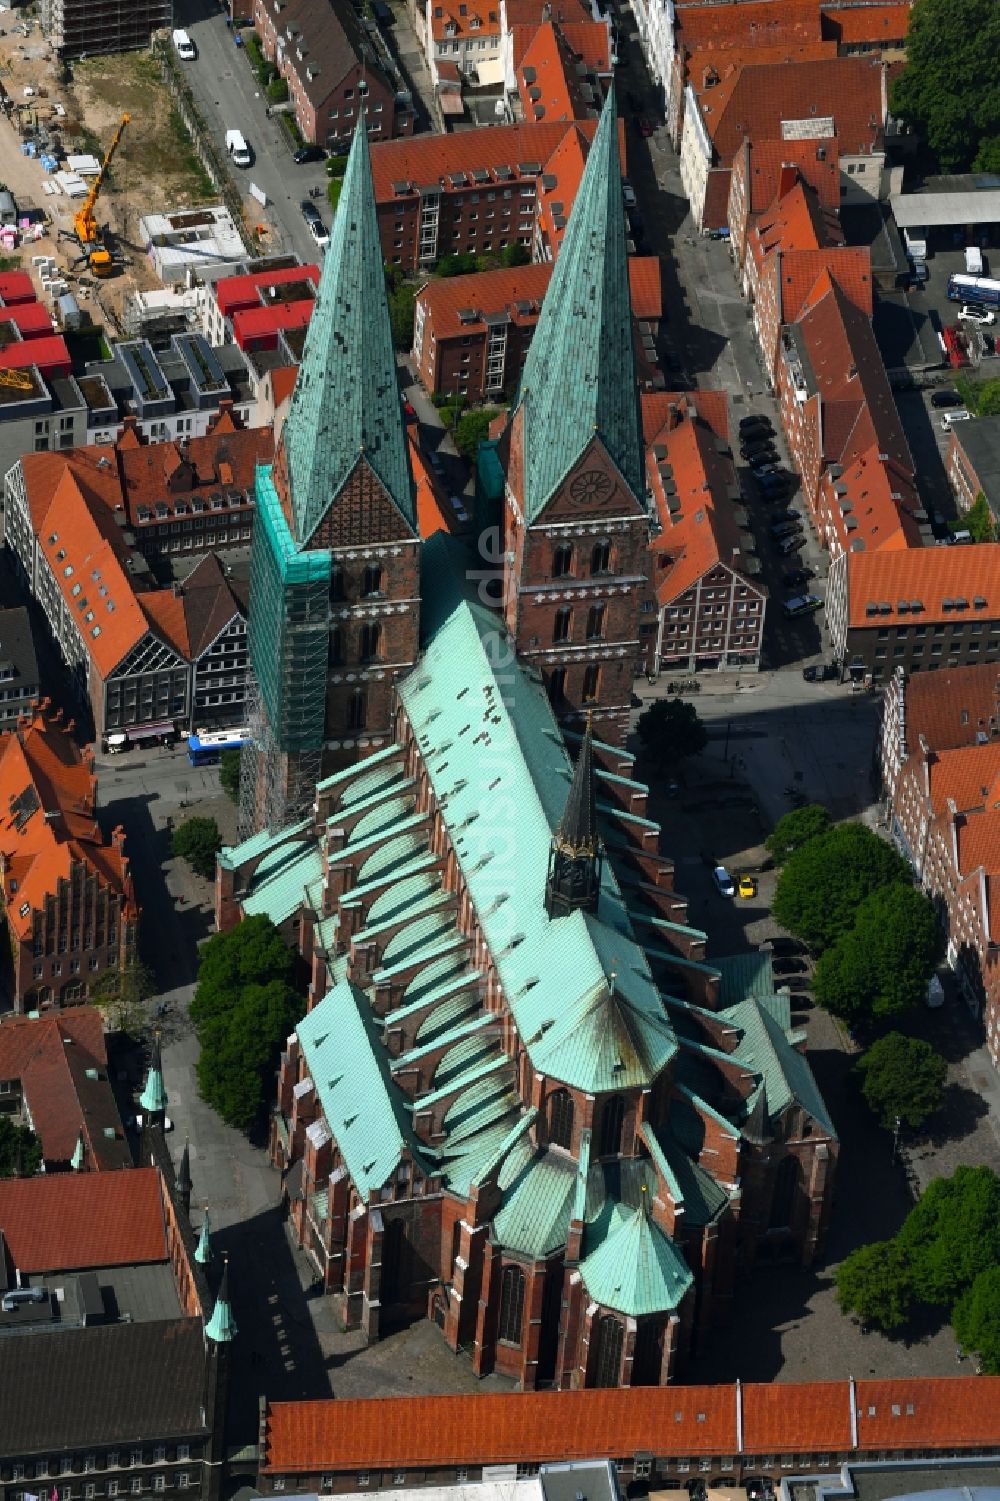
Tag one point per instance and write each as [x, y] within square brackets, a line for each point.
[761, 24]
[487, 292]
[16, 286]
[928, 574]
[928, 1412]
[866, 23]
[877, 506]
[74, 1220]
[42, 772]
[424, 160]
[224, 458]
[849, 266]
[50, 1056]
[235, 292]
[433, 514]
[967, 777]
[454, 20]
[952, 706]
[415, 1432]
[754, 101]
[782, 1416]
[31, 319]
[547, 81]
[822, 173]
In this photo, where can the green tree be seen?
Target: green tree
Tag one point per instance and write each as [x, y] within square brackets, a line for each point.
[976, 1320]
[874, 1282]
[952, 1234]
[671, 730]
[795, 829]
[121, 993]
[515, 255]
[981, 397]
[978, 520]
[229, 774]
[881, 965]
[902, 1079]
[824, 882]
[948, 91]
[277, 91]
[197, 841]
[243, 1009]
[472, 429]
[336, 166]
[402, 302]
[20, 1150]
[334, 188]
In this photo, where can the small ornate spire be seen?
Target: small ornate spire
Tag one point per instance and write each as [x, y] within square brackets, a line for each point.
[182, 1182]
[574, 879]
[203, 1250]
[221, 1327]
[79, 1154]
[154, 1097]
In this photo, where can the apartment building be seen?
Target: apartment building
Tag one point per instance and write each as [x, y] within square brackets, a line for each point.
[19, 681]
[335, 72]
[254, 304]
[476, 191]
[918, 608]
[709, 598]
[472, 333]
[761, 174]
[949, 709]
[973, 463]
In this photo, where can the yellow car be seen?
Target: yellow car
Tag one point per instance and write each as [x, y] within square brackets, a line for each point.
[747, 886]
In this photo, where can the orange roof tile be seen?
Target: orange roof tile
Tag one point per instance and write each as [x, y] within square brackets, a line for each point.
[979, 845]
[867, 23]
[928, 574]
[874, 501]
[816, 161]
[952, 706]
[753, 101]
[927, 1412]
[415, 1432]
[68, 1221]
[590, 41]
[425, 159]
[488, 292]
[531, 13]
[479, 18]
[432, 513]
[967, 776]
[225, 457]
[849, 266]
[547, 81]
[781, 1416]
[760, 24]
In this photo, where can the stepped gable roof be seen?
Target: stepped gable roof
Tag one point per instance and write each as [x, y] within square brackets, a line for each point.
[100, 1386]
[68, 1221]
[753, 102]
[61, 1063]
[426, 161]
[927, 575]
[952, 706]
[346, 403]
[578, 380]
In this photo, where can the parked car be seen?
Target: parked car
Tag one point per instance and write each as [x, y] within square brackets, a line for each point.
[755, 420]
[790, 966]
[309, 154]
[782, 529]
[646, 128]
[314, 223]
[788, 515]
[723, 881]
[747, 887]
[945, 398]
[773, 484]
[958, 414]
[628, 194]
[791, 543]
[821, 672]
[981, 315]
[797, 576]
[802, 604]
[757, 443]
[782, 945]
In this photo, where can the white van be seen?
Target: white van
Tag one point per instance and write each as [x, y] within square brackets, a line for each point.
[238, 148]
[950, 418]
[973, 260]
[184, 47]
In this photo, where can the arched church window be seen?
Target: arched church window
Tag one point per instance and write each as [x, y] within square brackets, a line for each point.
[561, 1118]
[511, 1304]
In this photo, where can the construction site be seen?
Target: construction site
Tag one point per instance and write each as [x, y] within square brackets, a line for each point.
[89, 149]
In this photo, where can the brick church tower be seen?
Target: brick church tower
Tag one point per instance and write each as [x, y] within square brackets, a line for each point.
[335, 562]
[576, 525]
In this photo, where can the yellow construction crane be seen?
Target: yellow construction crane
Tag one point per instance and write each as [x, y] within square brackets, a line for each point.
[86, 230]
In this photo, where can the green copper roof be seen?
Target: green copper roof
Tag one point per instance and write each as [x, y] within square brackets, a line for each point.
[537, 1206]
[635, 1269]
[154, 1096]
[765, 1048]
[203, 1250]
[346, 400]
[579, 378]
[744, 975]
[278, 887]
[221, 1327]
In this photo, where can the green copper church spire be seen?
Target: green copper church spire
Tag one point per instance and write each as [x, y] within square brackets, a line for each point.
[154, 1097]
[346, 402]
[203, 1250]
[579, 380]
[221, 1327]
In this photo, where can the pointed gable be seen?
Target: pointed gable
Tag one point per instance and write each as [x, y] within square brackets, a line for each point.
[579, 378]
[346, 399]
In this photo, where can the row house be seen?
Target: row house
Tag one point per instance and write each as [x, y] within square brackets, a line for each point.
[564, 71]
[949, 708]
[54, 1076]
[260, 290]
[472, 333]
[918, 608]
[845, 97]
[465, 34]
[973, 463]
[762, 173]
[710, 601]
[477, 191]
[946, 821]
[655, 1438]
[69, 902]
[335, 74]
[140, 658]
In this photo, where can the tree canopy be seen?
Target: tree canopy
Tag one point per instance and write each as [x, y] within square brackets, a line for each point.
[825, 881]
[881, 965]
[402, 304]
[981, 397]
[902, 1078]
[948, 1243]
[120, 994]
[20, 1150]
[978, 520]
[229, 773]
[795, 829]
[243, 1009]
[976, 1320]
[472, 429]
[948, 90]
[197, 841]
[671, 730]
